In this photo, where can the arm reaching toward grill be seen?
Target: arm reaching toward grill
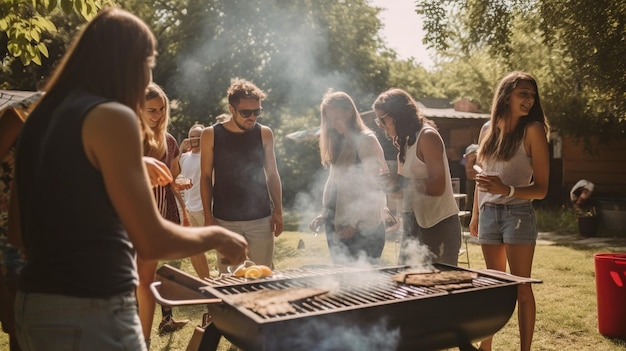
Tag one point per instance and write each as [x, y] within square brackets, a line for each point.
[112, 143]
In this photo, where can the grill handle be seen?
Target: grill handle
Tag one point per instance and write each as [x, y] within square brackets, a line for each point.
[508, 276]
[154, 287]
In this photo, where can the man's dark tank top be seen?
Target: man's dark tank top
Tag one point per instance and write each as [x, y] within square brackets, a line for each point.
[240, 190]
[75, 242]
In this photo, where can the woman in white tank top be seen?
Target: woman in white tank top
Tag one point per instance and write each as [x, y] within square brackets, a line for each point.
[513, 154]
[430, 213]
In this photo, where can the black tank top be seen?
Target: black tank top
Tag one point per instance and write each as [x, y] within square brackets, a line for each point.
[75, 242]
[240, 190]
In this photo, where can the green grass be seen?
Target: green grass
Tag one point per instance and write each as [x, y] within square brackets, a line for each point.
[566, 300]
[560, 220]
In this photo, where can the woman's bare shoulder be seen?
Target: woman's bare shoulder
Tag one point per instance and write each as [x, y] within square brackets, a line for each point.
[535, 130]
[111, 120]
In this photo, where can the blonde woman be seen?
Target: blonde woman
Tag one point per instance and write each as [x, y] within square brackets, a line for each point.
[162, 146]
[353, 202]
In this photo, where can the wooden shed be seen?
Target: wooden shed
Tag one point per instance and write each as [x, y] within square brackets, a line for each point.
[604, 165]
[458, 123]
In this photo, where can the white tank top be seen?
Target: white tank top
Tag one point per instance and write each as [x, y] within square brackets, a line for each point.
[429, 210]
[518, 171]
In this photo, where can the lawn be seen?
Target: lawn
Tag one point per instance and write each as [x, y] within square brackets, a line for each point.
[566, 300]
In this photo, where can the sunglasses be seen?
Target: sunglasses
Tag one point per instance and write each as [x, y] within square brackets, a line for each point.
[249, 113]
[380, 121]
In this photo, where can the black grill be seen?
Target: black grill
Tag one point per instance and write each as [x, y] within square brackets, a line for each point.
[365, 302]
[350, 289]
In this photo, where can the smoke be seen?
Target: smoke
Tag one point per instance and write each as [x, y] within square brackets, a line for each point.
[340, 334]
[359, 329]
[278, 45]
[414, 254]
[309, 203]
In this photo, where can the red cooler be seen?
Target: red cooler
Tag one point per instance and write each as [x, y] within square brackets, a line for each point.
[611, 294]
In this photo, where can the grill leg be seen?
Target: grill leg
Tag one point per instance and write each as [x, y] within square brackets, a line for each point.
[210, 339]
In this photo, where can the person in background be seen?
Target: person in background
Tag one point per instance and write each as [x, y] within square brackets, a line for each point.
[353, 202]
[190, 168]
[81, 200]
[513, 154]
[162, 146]
[12, 260]
[580, 195]
[239, 181]
[430, 211]
[468, 161]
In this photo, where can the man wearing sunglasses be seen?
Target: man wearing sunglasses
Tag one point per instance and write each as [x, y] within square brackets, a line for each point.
[239, 181]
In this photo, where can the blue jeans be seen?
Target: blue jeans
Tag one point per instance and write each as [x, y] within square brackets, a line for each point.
[58, 322]
[507, 224]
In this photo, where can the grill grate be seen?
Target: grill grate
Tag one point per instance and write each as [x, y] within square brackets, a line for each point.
[349, 288]
[306, 271]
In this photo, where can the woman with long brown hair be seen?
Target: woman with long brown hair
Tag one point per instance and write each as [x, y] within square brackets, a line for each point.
[353, 202]
[430, 211]
[162, 146]
[82, 201]
[513, 154]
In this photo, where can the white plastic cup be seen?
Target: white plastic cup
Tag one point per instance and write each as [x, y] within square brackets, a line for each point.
[183, 181]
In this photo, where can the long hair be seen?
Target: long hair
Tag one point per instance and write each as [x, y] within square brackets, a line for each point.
[497, 143]
[156, 144]
[108, 58]
[399, 106]
[330, 140]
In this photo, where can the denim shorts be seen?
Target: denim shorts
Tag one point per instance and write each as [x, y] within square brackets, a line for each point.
[507, 224]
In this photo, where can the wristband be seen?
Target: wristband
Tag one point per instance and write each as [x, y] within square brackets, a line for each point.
[511, 191]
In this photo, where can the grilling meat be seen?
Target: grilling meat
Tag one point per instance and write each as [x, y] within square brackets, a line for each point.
[272, 302]
[448, 280]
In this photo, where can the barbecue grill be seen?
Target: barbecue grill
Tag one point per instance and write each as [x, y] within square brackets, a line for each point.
[361, 309]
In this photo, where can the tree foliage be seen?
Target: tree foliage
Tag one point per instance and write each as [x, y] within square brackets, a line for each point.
[26, 22]
[293, 50]
[587, 84]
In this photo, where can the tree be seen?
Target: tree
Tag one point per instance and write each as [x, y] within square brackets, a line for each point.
[587, 36]
[25, 23]
[294, 50]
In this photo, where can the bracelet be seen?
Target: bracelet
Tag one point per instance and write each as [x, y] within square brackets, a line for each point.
[511, 191]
